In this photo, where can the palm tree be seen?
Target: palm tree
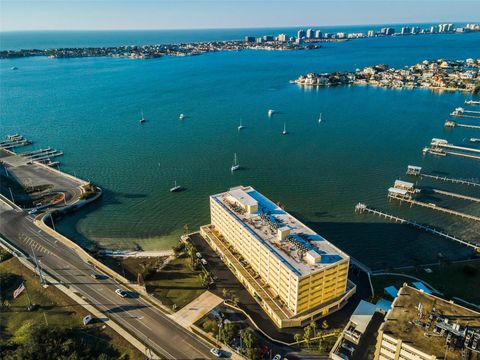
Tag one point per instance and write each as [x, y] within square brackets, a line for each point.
[313, 325]
[325, 325]
[297, 337]
[225, 293]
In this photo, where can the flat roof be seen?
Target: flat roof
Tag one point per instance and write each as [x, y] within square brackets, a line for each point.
[242, 197]
[264, 225]
[398, 191]
[409, 320]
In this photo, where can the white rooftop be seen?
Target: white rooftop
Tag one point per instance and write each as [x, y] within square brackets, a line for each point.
[242, 197]
[296, 245]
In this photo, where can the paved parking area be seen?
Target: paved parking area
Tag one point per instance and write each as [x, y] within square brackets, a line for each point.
[197, 309]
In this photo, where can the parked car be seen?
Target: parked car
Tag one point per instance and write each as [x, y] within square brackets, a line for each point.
[121, 293]
[203, 261]
[96, 276]
[87, 319]
[198, 255]
[277, 357]
[216, 352]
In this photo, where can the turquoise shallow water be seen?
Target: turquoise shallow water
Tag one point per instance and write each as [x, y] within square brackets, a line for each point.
[89, 108]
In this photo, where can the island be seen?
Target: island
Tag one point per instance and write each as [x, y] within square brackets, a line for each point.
[441, 74]
[155, 51]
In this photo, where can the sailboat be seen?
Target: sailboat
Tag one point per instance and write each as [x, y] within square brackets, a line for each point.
[240, 127]
[284, 132]
[176, 187]
[182, 116]
[320, 118]
[235, 165]
[142, 120]
[270, 112]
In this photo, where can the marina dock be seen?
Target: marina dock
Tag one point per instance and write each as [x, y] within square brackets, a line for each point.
[432, 206]
[413, 170]
[439, 146]
[43, 156]
[362, 208]
[456, 196]
[14, 141]
[452, 124]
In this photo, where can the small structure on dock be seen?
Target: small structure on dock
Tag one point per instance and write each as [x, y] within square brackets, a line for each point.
[414, 170]
[450, 124]
[403, 189]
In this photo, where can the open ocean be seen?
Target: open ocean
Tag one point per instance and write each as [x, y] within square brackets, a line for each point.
[89, 108]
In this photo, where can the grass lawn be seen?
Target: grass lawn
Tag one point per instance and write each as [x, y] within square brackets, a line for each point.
[176, 283]
[55, 308]
[457, 279]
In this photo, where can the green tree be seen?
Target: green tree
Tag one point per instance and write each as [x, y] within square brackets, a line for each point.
[307, 335]
[229, 331]
[248, 337]
[297, 337]
[313, 326]
[325, 325]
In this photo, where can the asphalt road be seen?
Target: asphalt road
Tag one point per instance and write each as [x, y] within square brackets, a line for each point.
[148, 324]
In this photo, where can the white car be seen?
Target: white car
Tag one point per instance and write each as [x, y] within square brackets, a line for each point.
[121, 293]
[203, 261]
[277, 357]
[216, 352]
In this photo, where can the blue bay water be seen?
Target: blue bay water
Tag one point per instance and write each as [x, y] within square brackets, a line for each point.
[90, 108]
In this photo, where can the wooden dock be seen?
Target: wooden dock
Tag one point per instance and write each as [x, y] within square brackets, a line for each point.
[434, 207]
[362, 208]
[451, 180]
[456, 196]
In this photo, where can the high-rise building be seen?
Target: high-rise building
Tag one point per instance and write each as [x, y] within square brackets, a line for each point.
[450, 27]
[310, 34]
[318, 34]
[300, 34]
[282, 37]
[405, 30]
[293, 273]
[250, 39]
[389, 31]
[415, 30]
[268, 38]
[433, 29]
[422, 326]
[371, 33]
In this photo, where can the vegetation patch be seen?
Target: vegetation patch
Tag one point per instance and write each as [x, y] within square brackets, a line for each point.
[54, 329]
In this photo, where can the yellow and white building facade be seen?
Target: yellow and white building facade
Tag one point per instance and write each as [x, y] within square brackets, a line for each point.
[292, 272]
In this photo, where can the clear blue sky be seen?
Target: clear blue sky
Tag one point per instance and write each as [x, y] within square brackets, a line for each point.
[183, 14]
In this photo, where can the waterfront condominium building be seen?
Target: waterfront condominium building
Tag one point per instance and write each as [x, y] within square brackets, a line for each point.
[421, 326]
[293, 273]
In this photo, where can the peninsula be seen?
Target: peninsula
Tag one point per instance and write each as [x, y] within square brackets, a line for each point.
[155, 51]
[452, 75]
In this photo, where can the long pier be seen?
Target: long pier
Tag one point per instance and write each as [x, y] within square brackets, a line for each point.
[452, 124]
[434, 207]
[457, 196]
[451, 180]
[362, 208]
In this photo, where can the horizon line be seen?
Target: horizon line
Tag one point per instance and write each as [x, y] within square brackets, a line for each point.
[240, 27]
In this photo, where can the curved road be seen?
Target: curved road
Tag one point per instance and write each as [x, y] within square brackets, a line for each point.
[155, 329]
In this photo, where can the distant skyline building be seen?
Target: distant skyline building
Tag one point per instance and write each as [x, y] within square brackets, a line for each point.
[300, 34]
[250, 39]
[406, 30]
[371, 33]
[268, 38]
[318, 34]
[282, 37]
[310, 34]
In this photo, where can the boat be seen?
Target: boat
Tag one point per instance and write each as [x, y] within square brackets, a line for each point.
[14, 68]
[320, 118]
[176, 187]
[240, 127]
[142, 119]
[457, 111]
[472, 102]
[182, 116]
[475, 140]
[235, 165]
[270, 112]
[284, 132]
